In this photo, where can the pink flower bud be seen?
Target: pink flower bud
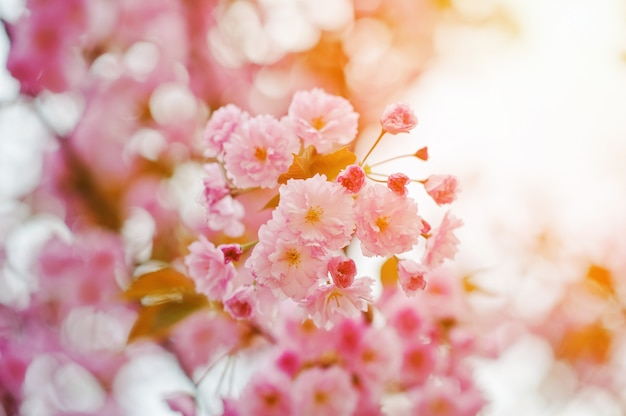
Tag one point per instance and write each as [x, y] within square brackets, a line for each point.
[342, 269]
[240, 304]
[411, 276]
[352, 178]
[398, 118]
[442, 188]
[397, 183]
[232, 252]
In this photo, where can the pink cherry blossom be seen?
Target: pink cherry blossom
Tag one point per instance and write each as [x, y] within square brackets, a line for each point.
[241, 303]
[398, 118]
[220, 127]
[442, 188]
[258, 152]
[419, 361]
[407, 321]
[79, 273]
[43, 46]
[397, 182]
[445, 398]
[208, 268]
[221, 210]
[342, 269]
[330, 302]
[202, 338]
[352, 178]
[267, 394]
[411, 275]
[323, 120]
[378, 358]
[280, 261]
[387, 224]
[442, 244]
[324, 392]
[318, 211]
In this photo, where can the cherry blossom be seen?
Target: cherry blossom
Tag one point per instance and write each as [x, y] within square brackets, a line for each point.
[318, 211]
[442, 244]
[324, 392]
[208, 268]
[330, 301]
[397, 183]
[387, 224]
[323, 120]
[352, 178]
[269, 393]
[411, 276]
[220, 127]
[442, 188]
[258, 152]
[398, 118]
[342, 269]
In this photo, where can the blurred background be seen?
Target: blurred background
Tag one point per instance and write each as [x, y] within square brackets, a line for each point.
[523, 100]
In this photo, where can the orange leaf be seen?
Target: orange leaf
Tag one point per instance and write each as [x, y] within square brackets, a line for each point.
[591, 342]
[160, 285]
[156, 321]
[272, 203]
[309, 162]
[389, 273]
[600, 278]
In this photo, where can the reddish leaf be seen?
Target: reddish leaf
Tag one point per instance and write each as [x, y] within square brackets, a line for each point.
[389, 273]
[158, 286]
[156, 321]
[309, 162]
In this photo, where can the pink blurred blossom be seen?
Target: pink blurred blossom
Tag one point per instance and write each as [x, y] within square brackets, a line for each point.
[268, 393]
[442, 188]
[241, 302]
[411, 275]
[324, 392]
[442, 244]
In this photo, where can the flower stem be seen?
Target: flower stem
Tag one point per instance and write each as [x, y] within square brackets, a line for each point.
[380, 136]
[391, 159]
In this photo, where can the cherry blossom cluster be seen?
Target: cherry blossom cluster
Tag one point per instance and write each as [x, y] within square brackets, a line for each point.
[301, 250]
[332, 345]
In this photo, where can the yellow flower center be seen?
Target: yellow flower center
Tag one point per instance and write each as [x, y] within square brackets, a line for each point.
[318, 123]
[382, 223]
[260, 154]
[320, 397]
[293, 257]
[313, 215]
